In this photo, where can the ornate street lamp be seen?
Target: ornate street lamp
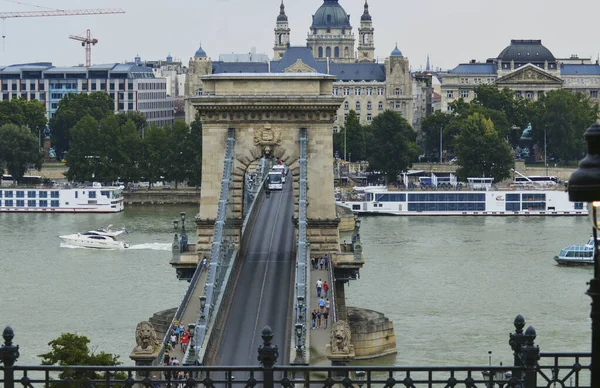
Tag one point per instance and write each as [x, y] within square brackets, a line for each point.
[299, 328]
[300, 308]
[202, 305]
[584, 186]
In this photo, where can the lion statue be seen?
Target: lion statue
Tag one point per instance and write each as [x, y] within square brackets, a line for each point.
[145, 337]
[340, 338]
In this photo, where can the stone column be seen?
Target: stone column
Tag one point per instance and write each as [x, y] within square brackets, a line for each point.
[340, 301]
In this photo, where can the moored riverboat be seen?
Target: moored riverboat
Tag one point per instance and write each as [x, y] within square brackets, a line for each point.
[88, 199]
[465, 203]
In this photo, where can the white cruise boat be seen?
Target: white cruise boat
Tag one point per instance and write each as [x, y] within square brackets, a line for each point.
[465, 203]
[102, 238]
[577, 254]
[91, 199]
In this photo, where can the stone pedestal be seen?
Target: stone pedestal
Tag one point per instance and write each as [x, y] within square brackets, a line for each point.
[372, 333]
[144, 359]
[525, 150]
[46, 146]
[323, 235]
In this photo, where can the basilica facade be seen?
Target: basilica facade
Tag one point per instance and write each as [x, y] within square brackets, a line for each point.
[526, 67]
[368, 85]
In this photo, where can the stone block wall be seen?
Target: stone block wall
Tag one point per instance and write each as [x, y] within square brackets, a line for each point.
[372, 333]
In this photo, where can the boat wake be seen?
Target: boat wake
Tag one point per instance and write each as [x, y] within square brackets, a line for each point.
[149, 246]
[152, 246]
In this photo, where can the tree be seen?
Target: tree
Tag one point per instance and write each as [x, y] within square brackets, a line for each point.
[393, 145]
[84, 150]
[30, 114]
[351, 138]
[564, 116]
[72, 349]
[431, 127]
[481, 151]
[130, 147]
[194, 142]
[138, 119]
[19, 150]
[155, 153]
[71, 109]
[179, 156]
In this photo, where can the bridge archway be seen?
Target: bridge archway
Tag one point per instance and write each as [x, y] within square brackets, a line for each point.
[267, 112]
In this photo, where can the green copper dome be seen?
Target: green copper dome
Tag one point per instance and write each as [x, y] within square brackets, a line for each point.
[331, 15]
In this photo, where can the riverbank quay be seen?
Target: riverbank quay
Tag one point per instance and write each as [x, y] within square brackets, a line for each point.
[159, 196]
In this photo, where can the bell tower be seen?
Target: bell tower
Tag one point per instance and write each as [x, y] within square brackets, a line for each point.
[366, 45]
[282, 34]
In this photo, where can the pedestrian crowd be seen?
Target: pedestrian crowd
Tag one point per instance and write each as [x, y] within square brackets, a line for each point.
[179, 336]
[320, 315]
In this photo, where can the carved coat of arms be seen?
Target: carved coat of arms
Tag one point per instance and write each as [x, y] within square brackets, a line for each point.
[267, 136]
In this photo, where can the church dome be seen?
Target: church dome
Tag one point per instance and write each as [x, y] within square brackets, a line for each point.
[200, 53]
[331, 15]
[526, 51]
[396, 52]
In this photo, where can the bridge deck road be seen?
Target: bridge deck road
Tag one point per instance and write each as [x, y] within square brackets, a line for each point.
[264, 290]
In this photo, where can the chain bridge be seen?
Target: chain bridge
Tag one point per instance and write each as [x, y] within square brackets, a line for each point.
[258, 246]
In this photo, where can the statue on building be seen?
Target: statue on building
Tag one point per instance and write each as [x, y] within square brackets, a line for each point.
[145, 338]
[527, 132]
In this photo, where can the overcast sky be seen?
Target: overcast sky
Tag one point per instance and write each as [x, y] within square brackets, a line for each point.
[451, 32]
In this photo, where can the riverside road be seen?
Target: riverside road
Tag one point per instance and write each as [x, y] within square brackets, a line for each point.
[263, 292]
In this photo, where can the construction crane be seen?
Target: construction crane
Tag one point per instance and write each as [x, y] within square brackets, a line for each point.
[57, 12]
[86, 42]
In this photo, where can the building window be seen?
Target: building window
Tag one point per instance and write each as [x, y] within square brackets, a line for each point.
[464, 80]
[335, 129]
[346, 91]
[369, 91]
[328, 52]
[112, 86]
[450, 94]
[380, 91]
[335, 91]
[369, 117]
[358, 116]
[593, 93]
[464, 93]
[345, 116]
[320, 50]
[357, 105]
[398, 92]
[397, 105]
[93, 86]
[518, 95]
[130, 106]
[357, 91]
[529, 95]
[346, 105]
[336, 52]
[369, 105]
[380, 105]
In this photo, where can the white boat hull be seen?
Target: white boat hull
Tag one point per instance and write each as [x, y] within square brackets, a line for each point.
[85, 242]
[574, 260]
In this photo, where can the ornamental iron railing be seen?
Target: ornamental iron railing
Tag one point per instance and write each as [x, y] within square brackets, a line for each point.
[301, 294]
[222, 253]
[532, 369]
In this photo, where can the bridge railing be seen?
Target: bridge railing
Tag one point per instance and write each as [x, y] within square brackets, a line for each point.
[301, 290]
[331, 294]
[253, 187]
[532, 369]
[221, 255]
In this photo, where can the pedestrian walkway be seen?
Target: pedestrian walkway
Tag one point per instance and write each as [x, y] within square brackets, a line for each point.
[192, 311]
[319, 337]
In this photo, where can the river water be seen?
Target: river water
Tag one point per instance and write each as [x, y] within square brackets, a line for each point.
[451, 285]
[48, 289]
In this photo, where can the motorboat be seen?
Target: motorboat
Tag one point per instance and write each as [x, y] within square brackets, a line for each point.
[101, 238]
[577, 254]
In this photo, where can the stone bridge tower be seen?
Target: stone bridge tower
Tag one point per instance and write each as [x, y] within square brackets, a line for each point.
[267, 111]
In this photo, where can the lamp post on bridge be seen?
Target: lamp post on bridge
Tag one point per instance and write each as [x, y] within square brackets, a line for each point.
[184, 237]
[584, 186]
